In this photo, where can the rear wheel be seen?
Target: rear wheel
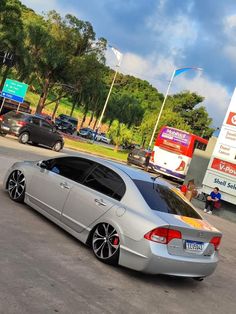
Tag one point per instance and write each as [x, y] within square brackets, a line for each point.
[57, 146]
[106, 244]
[16, 186]
[24, 138]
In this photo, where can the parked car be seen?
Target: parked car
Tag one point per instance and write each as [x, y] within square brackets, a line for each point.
[66, 118]
[103, 138]
[45, 117]
[124, 214]
[65, 127]
[139, 157]
[86, 133]
[39, 131]
[12, 121]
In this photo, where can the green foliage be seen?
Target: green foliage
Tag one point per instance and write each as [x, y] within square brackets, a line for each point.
[119, 134]
[60, 58]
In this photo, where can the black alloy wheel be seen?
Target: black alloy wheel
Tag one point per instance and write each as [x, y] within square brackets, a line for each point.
[16, 186]
[106, 244]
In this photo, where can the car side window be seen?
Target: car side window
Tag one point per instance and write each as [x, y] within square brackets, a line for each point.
[46, 125]
[73, 168]
[106, 181]
[35, 121]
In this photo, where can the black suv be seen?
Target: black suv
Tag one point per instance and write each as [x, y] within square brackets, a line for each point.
[39, 131]
[67, 119]
[65, 127]
[139, 157]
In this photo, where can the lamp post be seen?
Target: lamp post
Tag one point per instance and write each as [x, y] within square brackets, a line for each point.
[119, 58]
[174, 74]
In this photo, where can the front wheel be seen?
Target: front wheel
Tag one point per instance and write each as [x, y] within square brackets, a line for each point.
[16, 186]
[24, 138]
[3, 134]
[57, 146]
[106, 244]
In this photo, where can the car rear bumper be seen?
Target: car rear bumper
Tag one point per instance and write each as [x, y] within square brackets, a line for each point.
[155, 259]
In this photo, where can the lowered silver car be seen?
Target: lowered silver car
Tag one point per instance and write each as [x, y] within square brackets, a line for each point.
[125, 215]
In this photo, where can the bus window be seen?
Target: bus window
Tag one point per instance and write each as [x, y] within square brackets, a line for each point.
[200, 145]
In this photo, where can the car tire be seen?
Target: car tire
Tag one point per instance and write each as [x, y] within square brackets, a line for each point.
[106, 244]
[3, 134]
[24, 138]
[57, 146]
[16, 186]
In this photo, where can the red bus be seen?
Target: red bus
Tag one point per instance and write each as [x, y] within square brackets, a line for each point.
[173, 151]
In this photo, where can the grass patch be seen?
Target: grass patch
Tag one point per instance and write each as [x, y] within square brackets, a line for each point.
[64, 107]
[96, 149]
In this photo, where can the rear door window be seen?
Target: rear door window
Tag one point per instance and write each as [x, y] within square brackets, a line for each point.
[164, 199]
[46, 125]
[73, 168]
[35, 121]
[106, 181]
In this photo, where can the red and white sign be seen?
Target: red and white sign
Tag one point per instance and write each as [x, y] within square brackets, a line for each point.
[224, 166]
[231, 120]
[221, 170]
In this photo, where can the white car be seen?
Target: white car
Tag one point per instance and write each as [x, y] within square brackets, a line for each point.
[103, 138]
[126, 216]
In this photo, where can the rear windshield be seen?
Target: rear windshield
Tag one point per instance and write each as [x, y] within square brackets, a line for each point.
[165, 199]
[17, 115]
[139, 152]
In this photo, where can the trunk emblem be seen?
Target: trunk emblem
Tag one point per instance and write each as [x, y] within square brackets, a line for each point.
[201, 235]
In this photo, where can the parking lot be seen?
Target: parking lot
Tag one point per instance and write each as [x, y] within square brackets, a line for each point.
[45, 270]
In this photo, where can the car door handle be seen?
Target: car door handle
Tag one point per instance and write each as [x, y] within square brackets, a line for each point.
[64, 185]
[100, 202]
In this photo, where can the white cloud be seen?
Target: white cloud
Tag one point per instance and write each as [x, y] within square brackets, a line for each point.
[176, 33]
[230, 26]
[158, 69]
[41, 6]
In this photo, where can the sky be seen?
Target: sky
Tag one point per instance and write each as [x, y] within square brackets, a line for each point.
[158, 36]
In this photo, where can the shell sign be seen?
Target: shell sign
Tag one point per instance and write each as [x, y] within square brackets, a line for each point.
[231, 118]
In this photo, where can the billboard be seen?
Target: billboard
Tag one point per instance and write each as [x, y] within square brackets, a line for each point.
[221, 170]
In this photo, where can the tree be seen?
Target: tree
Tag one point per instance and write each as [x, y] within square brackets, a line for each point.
[11, 36]
[196, 118]
[119, 134]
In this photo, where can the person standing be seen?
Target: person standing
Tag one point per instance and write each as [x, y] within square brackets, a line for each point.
[214, 197]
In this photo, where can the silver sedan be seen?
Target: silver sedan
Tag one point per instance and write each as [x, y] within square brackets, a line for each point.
[127, 216]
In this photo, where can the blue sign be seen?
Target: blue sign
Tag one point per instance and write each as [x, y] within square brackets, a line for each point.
[13, 97]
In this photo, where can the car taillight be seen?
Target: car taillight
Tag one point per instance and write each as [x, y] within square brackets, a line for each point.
[21, 123]
[1, 118]
[152, 156]
[181, 166]
[163, 235]
[216, 242]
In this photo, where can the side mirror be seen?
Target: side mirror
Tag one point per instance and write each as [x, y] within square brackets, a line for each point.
[42, 164]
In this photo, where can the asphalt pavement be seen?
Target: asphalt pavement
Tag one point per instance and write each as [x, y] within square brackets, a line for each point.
[45, 270]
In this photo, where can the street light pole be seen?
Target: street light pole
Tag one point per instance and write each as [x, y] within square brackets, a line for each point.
[175, 73]
[162, 107]
[118, 55]
[108, 96]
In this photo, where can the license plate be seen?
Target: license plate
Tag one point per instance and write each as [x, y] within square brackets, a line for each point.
[136, 156]
[6, 128]
[194, 246]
